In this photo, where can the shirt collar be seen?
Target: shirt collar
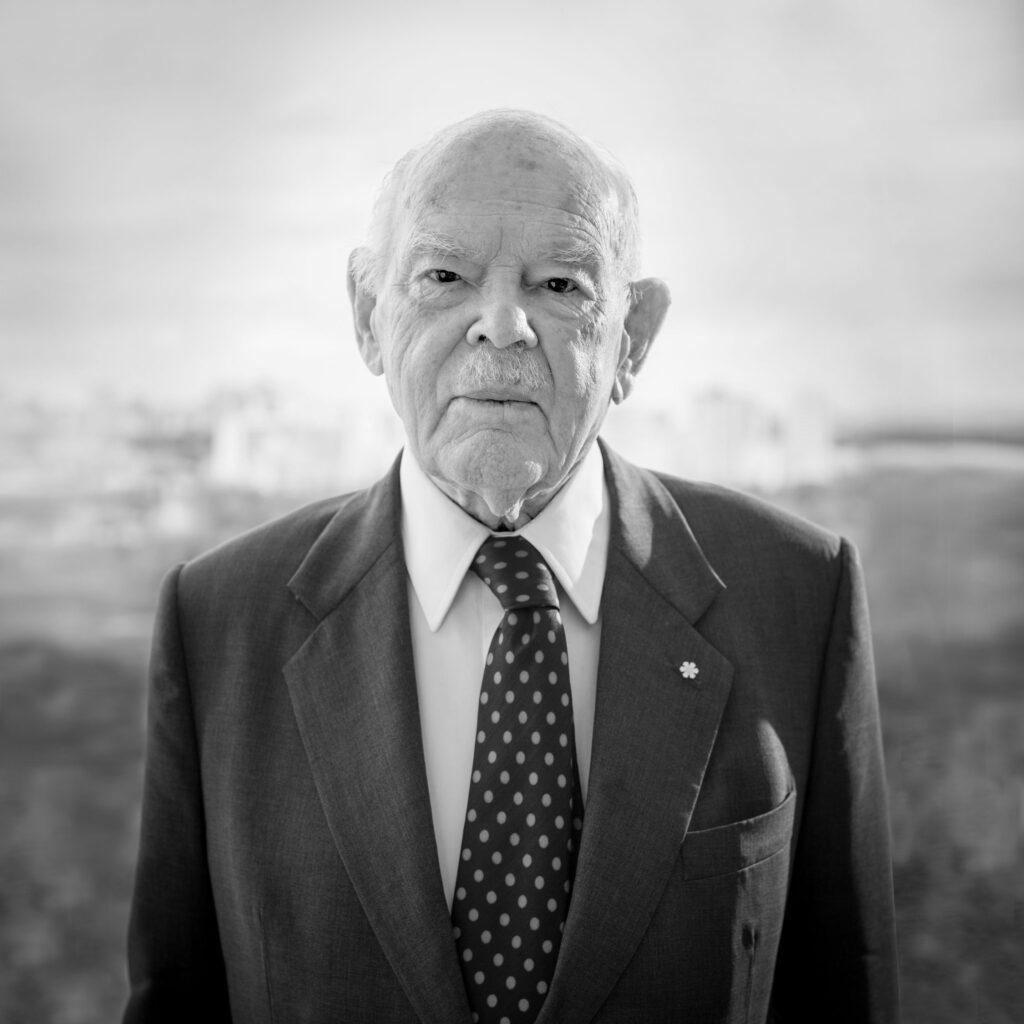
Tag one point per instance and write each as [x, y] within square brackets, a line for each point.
[440, 539]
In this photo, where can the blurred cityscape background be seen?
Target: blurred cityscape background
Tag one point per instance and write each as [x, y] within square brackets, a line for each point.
[98, 501]
[831, 187]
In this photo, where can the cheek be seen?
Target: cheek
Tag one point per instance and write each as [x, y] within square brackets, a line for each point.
[418, 347]
[408, 344]
[578, 391]
[592, 357]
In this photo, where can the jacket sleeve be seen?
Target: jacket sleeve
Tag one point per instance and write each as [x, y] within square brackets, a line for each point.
[837, 957]
[175, 965]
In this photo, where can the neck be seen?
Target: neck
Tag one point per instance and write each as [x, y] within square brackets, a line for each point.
[499, 510]
[496, 510]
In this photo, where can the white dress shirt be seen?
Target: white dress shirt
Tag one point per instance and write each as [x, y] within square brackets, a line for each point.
[453, 616]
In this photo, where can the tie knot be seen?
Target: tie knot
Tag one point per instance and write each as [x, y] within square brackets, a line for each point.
[516, 573]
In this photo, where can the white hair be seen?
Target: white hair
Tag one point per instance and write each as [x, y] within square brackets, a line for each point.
[618, 216]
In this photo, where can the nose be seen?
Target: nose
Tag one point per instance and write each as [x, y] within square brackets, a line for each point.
[501, 320]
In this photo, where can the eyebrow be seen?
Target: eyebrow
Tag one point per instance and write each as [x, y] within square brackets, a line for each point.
[434, 245]
[576, 253]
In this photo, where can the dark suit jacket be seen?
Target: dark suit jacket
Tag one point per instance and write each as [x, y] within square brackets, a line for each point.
[734, 865]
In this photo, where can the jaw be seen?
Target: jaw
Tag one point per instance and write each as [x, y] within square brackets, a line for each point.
[495, 476]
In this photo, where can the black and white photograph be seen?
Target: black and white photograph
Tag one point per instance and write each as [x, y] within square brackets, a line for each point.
[511, 514]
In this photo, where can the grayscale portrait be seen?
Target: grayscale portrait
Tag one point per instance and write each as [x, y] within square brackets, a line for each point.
[511, 515]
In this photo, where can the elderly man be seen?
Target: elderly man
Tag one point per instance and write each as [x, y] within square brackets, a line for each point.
[522, 732]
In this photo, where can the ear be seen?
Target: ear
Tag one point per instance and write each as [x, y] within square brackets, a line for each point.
[649, 300]
[363, 304]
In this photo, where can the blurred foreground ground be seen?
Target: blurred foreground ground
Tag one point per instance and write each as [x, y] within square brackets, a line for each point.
[943, 546]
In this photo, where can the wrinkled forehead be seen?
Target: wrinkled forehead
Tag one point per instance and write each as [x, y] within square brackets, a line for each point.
[504, 172]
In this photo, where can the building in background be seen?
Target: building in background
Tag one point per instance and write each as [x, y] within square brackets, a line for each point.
[733, 440]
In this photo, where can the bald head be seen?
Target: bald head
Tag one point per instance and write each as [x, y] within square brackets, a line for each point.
[520, 140]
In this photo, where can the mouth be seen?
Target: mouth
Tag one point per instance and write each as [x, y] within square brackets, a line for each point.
[497, 407]
[497, 395]
[508, 403]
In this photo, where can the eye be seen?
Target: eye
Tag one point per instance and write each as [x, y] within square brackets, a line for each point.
[443, 276]
[561, 285]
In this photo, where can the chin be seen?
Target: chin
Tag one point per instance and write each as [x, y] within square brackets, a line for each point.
[493, 463]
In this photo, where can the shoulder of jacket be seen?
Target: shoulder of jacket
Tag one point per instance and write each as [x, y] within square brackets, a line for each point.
[270, 552]
[723, 519]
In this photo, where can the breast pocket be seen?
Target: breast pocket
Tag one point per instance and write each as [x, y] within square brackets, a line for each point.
[726, 849]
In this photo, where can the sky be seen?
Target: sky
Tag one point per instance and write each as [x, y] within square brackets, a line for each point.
[833, 189]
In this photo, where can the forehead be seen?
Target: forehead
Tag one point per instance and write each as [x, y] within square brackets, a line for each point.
[518, 190]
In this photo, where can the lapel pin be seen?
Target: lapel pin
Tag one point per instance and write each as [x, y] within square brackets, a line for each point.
[688, 670]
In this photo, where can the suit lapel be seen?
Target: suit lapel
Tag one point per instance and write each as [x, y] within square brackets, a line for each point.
[353, 689]
[653, 733]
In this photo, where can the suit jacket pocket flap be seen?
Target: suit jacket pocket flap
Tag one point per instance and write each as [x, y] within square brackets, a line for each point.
[740, 844]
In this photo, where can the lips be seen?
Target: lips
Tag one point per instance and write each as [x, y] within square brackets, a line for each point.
[491, 406]
[498, 395]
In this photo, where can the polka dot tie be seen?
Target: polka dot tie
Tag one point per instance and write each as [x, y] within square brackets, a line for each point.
[524, 812]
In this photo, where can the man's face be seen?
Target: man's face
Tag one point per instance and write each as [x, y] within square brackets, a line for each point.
[499, 324]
